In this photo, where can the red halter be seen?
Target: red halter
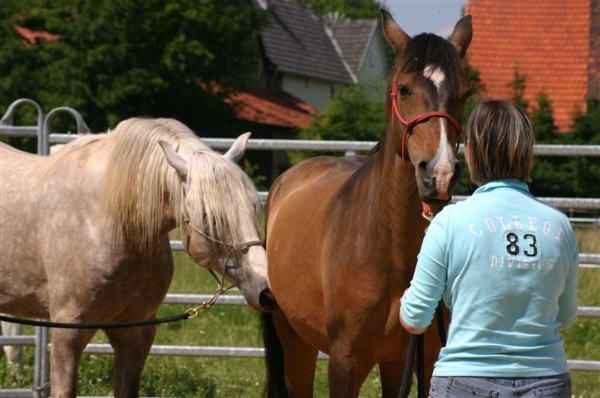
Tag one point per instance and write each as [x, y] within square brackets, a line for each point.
[408, 126]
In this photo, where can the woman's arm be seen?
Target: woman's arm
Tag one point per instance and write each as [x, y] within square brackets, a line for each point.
[419, 302]
[405, 325]
[567, 303]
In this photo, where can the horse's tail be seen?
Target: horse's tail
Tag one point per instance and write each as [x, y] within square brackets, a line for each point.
[275, 383]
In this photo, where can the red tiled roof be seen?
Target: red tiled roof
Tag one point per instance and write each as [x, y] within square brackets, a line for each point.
[32, 35]
[276, 109]
[548, 41]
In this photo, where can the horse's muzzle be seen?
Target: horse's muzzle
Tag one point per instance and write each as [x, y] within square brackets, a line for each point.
[266, 301]
[437, 186]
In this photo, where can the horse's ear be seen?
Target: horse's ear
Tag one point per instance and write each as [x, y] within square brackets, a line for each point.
[394, 33]
[462, 34]
[237, 150]
[176, 161]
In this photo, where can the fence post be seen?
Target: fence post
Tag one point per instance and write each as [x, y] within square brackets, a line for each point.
[41, 365]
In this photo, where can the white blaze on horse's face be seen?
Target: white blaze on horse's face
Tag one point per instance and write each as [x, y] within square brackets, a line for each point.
[444, 159]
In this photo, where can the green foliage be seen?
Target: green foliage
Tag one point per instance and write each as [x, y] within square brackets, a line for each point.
[517, 90]
[476, 87]
[543, 119]
[565, 176]
[351, 115]
[587, 125]
[259, 180]
[116, 59]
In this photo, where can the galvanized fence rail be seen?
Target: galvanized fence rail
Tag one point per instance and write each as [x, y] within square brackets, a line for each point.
[45, 138]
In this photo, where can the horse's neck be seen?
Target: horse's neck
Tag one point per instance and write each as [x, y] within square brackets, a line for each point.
[395, 198]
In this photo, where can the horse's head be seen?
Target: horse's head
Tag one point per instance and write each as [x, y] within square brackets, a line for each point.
[426, 95]
[218, 218]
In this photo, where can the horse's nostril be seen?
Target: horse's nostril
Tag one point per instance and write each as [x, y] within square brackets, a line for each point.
[423, 165]
[267, 301]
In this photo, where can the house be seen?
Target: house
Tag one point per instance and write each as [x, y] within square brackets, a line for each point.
[304, 59]
[362, 47]
[555, 46]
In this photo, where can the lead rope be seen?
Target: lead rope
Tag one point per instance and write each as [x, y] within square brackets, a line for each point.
[193, 312]
[188, 314]
[417, 342]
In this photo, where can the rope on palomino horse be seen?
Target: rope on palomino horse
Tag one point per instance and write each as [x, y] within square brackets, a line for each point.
[188, 314]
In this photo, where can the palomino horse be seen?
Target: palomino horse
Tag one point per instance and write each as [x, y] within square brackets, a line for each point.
[83, 235]
[343, 233]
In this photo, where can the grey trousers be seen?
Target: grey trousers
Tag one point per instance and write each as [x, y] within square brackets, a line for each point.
[558, 386]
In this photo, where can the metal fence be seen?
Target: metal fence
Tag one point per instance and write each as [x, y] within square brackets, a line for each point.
[45, 138]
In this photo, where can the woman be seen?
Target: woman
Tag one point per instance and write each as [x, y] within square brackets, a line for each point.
[506, 266]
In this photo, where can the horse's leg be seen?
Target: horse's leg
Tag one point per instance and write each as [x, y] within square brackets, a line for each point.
[347, 372]
[131, 346]
[391, 378]
[67, 346]
[299, 359]
[14, 354]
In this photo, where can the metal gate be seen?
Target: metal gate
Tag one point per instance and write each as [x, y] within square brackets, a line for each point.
[44, 138]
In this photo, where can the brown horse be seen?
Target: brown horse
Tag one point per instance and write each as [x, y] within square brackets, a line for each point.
[83, 235]
[343, 233]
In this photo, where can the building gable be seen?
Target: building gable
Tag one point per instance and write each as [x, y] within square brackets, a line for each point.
[295, 41]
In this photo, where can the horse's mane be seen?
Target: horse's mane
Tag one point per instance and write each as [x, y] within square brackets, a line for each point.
[138, 178]
[422, 50]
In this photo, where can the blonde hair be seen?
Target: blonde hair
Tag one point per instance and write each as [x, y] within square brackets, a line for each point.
[499, 140]
[138, 175]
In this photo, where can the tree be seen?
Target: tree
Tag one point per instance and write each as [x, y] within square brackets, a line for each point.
[116, 59]
[542, 118]
[517, 90]
[350, 115]
[587, 131]
[565, 176]
[587, 125]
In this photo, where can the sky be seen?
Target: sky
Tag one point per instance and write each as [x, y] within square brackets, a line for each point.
[432, 16]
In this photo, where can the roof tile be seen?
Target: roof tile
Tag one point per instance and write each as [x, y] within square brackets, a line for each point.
[276, 109]
[549, 44]
[295, 41]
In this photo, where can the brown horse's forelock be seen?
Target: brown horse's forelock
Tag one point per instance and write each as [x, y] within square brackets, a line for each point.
[426, 49]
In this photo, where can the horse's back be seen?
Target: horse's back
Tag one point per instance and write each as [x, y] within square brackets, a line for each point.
[310, 175]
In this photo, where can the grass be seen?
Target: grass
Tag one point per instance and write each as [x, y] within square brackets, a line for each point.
[239, 326]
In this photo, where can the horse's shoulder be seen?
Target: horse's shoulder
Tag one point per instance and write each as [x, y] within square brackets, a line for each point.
[317, 176]
[324, 165]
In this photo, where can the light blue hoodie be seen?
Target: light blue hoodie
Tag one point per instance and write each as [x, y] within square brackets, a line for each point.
[506, 265]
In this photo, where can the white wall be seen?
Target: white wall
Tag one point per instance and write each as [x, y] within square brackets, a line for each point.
[374, 65]
[314, 91]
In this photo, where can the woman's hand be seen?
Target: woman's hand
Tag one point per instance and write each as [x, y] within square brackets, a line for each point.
[406, 326]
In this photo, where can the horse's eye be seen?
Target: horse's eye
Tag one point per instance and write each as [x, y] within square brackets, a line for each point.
[403, 90]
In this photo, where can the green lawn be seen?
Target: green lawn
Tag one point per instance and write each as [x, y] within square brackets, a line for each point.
[239, 326]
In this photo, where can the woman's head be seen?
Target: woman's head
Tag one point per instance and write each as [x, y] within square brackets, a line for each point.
[499, 142]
